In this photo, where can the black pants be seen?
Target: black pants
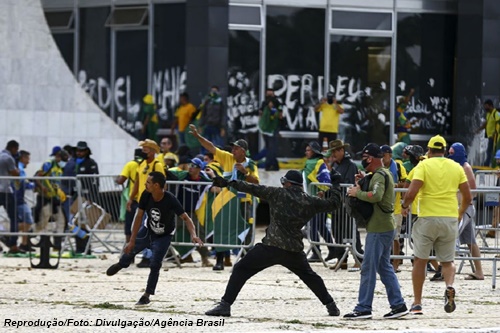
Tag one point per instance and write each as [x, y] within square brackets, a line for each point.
[264, 256]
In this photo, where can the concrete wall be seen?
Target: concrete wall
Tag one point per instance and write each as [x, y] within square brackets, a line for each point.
[41, 104]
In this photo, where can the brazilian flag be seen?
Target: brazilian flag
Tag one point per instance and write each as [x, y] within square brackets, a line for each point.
[227, 218]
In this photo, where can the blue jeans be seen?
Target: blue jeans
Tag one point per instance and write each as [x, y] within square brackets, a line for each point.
[377, 260]
[271, 152]
[159, 246]
[489, 152]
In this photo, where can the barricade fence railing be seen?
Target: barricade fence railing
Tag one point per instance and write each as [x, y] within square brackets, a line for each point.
[481, 217]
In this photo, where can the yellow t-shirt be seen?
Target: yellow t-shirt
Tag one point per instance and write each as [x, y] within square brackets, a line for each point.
[129, 171]
[227, 162]
[438, 195]
[183, 115]
[329, 118]
[397, 198]
[143, 171]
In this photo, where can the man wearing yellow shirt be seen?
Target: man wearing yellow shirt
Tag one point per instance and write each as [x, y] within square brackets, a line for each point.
[129, 172]
[236, 166]
[149, 148]
[436, 180]
[330, 117]
[165, 148]
[183, 116]
[491, 125]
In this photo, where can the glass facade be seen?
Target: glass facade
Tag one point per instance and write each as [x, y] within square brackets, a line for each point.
[291, 49]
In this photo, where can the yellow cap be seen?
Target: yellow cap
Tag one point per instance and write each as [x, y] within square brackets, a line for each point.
[437, 142]
[148, 99]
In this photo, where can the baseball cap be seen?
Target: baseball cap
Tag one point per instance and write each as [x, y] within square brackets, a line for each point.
[386, 149]
[55, 150]
[372, 149]
[240, 143]
[437, 142]
[199, 163]
[292, 176]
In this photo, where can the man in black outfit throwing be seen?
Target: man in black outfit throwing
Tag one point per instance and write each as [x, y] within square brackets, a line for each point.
[290, 210]
[160, 206]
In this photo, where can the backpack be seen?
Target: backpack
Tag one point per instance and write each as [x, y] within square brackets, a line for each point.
[361, 210]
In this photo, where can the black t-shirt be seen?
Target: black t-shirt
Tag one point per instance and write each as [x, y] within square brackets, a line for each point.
[161, 214]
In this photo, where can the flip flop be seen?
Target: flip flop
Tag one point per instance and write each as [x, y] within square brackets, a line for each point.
[472, 277]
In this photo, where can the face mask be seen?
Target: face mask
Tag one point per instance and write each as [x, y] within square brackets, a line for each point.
[330, 100]
[365, 163]
[62, 164]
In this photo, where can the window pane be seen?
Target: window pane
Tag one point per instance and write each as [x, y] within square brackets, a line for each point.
[244, 15]
[360, 78]
[361, 20]
[131, 78]
[59, 20]
[93, 74]
[294, 67]
[426, 58]
[243, 87]
[127, 16]
[169, 71]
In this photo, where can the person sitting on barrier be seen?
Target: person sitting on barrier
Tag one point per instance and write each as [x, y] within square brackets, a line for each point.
[50, 195]
[316, 171]
[399, 176]
[234, 215]
[290, 209]
[24, 216]
[379, 239]
[128, 174]
[436, 180]
[161, 207]
[466, 226]
[149, 164]
[8, 168]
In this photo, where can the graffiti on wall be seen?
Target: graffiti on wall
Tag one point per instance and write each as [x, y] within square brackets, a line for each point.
[167, 86]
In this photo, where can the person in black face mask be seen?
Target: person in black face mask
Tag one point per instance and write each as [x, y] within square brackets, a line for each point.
[330, 118]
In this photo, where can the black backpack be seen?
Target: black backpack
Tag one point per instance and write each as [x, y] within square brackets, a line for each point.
[361, 210]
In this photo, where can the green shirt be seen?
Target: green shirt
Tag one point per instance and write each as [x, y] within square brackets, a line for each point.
[380, 221]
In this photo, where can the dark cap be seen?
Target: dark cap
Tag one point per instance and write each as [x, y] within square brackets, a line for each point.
[292, 176]
[330, 95]
[315, 147]
[372, 149]
[240, 143]
[386, 149]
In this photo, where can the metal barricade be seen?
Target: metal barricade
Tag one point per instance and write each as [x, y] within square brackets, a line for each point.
[104, 204]
[37, 207]
[224, 218]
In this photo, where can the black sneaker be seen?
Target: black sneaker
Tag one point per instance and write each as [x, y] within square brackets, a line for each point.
[144, 263]
[218, 267]
[222, 309]
[437, 277]
[400, 311]
[113, 269]
[449, 300]
[358, 315]
[143, 301]
[416, 309]
[333, 310]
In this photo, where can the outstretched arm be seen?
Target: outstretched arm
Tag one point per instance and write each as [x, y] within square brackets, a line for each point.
[204, 142]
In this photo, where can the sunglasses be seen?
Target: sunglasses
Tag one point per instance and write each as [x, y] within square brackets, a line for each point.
[192, 165]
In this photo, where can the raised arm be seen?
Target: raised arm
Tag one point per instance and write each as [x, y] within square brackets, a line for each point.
[204, 142]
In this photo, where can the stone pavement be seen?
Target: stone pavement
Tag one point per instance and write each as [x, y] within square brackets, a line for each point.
[273, 300]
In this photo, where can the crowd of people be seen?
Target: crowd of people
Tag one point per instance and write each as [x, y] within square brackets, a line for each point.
[54, 195]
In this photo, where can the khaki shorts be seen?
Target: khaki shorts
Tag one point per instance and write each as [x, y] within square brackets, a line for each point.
[439, 233]
[398, 218]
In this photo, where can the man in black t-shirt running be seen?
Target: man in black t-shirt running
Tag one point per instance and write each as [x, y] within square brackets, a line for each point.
[161, 207]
